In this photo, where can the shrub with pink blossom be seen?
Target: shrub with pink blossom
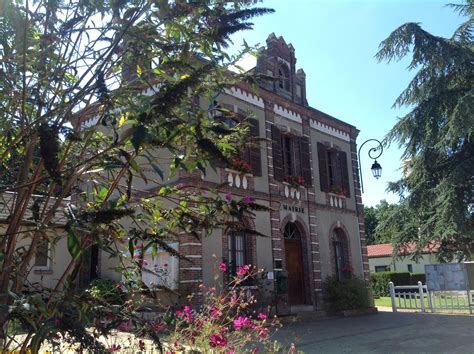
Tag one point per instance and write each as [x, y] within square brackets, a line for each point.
[225, 323]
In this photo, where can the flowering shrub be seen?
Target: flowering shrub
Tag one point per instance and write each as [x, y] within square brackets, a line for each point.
[224, 323]
[339, 191]
[240, 165]
[294, 181]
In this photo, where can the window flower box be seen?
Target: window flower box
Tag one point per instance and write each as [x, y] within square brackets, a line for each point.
[241, 166]
[238, 179]
[291, 191]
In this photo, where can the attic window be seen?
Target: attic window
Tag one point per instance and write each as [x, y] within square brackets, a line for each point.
[284, 78]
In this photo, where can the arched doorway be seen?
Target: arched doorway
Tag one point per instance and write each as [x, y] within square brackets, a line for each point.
[294, 263]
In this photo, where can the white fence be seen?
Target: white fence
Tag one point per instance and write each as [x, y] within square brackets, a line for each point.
[418, 297]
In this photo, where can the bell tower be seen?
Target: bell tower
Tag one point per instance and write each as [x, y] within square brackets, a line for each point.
[278, 61]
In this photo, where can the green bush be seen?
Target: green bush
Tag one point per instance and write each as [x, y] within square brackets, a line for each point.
[348, 294]
[416, 277]
[379, 281]
[106, 290]
[400, 278]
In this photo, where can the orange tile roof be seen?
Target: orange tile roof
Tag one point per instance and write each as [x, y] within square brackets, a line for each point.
[382, 250]
[386, 249]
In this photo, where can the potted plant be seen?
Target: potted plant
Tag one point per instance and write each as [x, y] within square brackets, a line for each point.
[241, 166]
[340, 191]
[295, 181]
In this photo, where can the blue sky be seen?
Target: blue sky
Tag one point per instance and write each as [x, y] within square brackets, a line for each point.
[335, 43]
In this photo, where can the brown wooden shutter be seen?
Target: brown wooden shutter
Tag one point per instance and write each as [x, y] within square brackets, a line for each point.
[305, 161]
[323, 167]
[344, 173]
[255, 159]
[277, 154]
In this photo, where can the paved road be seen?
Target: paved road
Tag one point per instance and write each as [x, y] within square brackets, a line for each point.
[385, 332]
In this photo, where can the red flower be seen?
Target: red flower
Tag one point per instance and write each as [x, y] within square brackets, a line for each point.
[217, 340]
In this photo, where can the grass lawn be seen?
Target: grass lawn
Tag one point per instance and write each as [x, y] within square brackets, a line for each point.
[383, 301]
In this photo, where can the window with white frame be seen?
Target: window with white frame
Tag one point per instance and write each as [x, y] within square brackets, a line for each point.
[237, 255]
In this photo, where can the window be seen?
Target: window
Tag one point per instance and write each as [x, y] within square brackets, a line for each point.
[291, 232]
[333, 170]
[237, 253]
[251, 153]
[42, 254]
[379, 269]
[284, 77]
[410, 268]
[291, 156]
[341, 254]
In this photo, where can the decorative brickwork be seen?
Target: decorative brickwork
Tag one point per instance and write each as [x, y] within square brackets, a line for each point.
[286, 205]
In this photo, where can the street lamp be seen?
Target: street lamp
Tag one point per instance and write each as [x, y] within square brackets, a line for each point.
[376, 168]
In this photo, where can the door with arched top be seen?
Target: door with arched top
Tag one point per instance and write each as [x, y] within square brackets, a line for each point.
[294, 264]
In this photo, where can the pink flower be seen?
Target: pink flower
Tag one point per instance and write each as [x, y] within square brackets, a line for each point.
[157, 326]
[248, 199]
[125, 326]
[263, 332]
[242, 271]
[262, 316]
[217, 340]
[188, 309]
[242, 322]
[223, 267]
[114, 348]
[228, 196]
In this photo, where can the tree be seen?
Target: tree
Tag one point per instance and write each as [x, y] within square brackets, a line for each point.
[135, 68]
[437, 136]
[379, 224]
[370, 225]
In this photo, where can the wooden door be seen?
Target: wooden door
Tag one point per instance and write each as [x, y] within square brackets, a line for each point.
[294, 267]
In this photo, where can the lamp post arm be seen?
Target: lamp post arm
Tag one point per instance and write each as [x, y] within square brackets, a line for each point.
[370, 152]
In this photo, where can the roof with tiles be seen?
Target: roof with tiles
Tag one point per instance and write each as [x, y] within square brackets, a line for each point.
[386, 249]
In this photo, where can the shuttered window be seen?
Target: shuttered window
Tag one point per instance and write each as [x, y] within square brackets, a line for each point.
[333, 170]
[252, 154]
[291, 156]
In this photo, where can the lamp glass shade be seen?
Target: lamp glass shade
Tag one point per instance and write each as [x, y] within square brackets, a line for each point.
[376, 169]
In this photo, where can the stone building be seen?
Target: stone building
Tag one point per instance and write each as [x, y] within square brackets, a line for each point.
[314, 230]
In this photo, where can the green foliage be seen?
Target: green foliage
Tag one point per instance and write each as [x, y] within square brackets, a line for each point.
[348, 294]
[378, 229]
[370, 225]
[437, 136]
[137, 68]
[106, 291]
[379, 281]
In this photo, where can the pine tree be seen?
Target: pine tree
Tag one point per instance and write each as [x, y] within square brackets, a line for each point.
[437, 136]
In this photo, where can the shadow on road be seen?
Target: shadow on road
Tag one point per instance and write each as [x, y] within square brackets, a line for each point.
[385, 332]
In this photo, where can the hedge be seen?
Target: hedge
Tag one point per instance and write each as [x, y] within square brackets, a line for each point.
[416, 277]
[380, 281]
[348, 294]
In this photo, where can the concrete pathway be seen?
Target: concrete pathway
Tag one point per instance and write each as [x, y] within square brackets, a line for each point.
[385, 332]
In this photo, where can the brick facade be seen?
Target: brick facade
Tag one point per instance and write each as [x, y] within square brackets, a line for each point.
[313, 207]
